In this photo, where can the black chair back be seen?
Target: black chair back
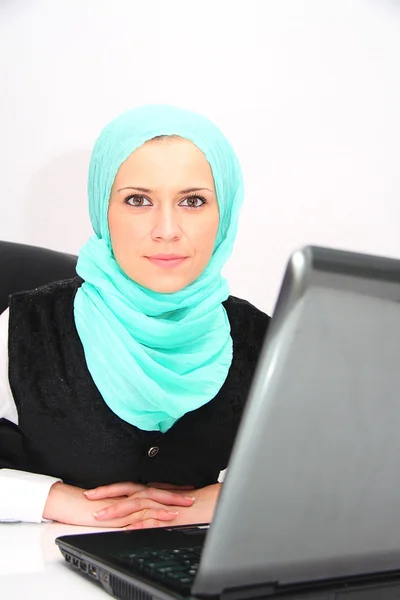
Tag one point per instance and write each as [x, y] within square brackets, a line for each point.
[24, 267]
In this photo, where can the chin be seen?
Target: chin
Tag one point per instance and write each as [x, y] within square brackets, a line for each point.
[166, 289]
[162, 287]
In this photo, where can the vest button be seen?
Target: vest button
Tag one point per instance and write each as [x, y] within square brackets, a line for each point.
[153, 451]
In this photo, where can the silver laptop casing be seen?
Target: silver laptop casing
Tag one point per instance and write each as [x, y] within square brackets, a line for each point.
[313, 486]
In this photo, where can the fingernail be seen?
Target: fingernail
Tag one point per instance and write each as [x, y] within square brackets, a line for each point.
[192, 498]
[99, 513]
[90, 492]
[172, 514]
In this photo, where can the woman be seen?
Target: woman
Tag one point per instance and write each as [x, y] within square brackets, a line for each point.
[128, 382]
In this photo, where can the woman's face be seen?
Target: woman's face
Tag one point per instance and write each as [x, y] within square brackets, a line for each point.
[163, 214]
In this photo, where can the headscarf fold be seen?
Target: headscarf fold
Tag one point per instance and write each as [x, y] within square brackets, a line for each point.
[153, 356]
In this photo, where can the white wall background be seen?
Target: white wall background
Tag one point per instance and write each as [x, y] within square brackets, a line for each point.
[307, 91]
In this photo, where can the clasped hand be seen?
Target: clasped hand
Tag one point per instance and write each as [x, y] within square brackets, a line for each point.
[131, 505]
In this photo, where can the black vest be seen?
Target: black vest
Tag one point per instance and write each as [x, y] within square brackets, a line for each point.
[68, 431]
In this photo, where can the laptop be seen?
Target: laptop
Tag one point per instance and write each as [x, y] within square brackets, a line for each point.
[310, 507]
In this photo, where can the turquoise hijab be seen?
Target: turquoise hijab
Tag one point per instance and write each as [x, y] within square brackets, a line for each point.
[155, 357]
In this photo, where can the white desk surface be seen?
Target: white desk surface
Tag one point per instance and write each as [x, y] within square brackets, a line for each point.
[32, 566]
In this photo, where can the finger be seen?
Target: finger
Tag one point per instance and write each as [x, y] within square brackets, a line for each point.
[170, 486]
[148, 524]
[165, 497]
[146, 514]
[126, 488]
[129, 506]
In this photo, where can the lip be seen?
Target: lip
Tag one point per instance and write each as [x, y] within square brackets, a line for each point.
[166, 256]
[166, 261]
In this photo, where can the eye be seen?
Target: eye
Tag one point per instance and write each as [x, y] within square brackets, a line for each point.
[193, 201]
[136, 200]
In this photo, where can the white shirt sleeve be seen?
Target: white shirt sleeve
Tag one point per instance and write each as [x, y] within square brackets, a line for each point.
[8, 410]
[221, 476]
[22, 495]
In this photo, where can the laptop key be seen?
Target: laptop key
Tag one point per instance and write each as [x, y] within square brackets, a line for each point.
[170, 569]
[187, 556]
[186, 581]
[164, 563]
[162, 568]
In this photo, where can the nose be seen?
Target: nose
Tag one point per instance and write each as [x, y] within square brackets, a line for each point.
[167, 225]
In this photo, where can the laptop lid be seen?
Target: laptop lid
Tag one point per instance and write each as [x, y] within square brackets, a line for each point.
[313, 486]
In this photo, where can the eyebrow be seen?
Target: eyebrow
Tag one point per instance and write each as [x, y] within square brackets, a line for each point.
[147, 191]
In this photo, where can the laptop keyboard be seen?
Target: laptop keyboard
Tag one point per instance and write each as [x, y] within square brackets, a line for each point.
[175, 568]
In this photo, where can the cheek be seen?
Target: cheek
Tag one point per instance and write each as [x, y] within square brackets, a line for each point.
[205, 236]
[125, 232]
[115, 222]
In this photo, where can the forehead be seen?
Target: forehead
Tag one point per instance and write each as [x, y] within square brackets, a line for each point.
[165, 160]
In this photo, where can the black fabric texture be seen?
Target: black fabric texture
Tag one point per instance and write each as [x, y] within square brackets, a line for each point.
[67, 430]
[24, 267]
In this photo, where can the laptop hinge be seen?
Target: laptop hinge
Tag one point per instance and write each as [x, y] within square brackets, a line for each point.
[248, 592]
